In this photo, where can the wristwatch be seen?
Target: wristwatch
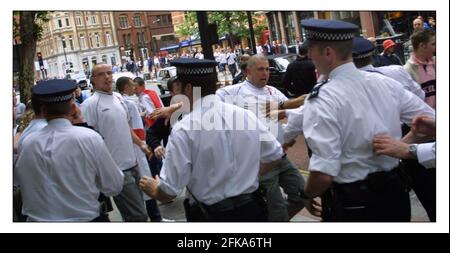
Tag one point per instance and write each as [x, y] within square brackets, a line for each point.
[412, 150]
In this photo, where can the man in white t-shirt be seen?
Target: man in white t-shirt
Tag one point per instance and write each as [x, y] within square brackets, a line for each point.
[107, 113]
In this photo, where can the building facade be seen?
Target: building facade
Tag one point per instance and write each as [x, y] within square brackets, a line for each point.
[74, 41]
[142, 34]
[286, 25]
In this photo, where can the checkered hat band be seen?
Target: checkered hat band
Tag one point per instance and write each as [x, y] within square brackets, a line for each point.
[56, 99]
[318, 35]
[194, 71]
[364, 55]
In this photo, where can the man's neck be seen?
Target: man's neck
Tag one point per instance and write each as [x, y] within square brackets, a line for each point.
[422, 57]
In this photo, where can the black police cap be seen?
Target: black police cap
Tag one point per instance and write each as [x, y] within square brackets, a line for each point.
[54, 91]
[362, 48]
[328, 30]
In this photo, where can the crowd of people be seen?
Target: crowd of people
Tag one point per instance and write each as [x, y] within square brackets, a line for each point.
[227, 146]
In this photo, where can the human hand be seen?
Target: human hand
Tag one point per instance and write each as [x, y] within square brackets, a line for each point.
[149, 185]
[313, 207]
[160, 152]
[424, 125]
[384, 144]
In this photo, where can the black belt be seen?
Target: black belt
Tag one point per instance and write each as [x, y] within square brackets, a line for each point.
[374, 181]
[230, 203]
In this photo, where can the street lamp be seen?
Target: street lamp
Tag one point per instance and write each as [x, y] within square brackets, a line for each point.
[63, 40]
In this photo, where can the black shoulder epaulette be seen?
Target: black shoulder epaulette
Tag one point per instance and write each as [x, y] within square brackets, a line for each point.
[315, 91]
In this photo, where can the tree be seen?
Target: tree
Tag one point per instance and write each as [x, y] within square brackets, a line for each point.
[231, 23]
[29, 28]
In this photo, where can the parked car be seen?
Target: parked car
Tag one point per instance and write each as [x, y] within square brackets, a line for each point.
[277, 67]
[81, 79]
[117, 75]
[163, 75]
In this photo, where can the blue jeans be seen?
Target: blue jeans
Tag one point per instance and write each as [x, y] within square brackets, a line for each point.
[286, 176]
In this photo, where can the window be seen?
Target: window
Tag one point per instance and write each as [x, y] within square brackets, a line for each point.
[63, 42]
[59, 23]
[137, 21]
[129, 39]
[78, 20]
[87, 20]
[108, 39]
[104, 59]
[142, 37]
[97, 40]
[67, 22]
[71, 43]
[91, 43]
[165, 20]
[94, 20]
[82, 42]
[124, 39]
[113, 59]
[105, 19]
[123, 21]
[158, 19]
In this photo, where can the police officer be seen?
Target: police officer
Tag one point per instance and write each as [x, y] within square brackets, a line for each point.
[423, 180]
[341, 117]
[218, 163]
[63, 168]
[363, 51]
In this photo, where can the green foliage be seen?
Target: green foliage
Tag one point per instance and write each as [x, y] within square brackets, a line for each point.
[40, 17]
[233, 23]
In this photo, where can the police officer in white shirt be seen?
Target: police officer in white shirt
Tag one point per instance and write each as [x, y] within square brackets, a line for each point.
[423, 180]
[341, 117]
[106, 112]
[255, 93]
[208, 152]
[63, 168]
[362, 57]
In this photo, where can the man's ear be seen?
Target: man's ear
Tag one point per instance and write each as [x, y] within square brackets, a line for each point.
[188, 89]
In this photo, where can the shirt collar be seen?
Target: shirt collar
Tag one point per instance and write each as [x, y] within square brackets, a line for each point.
[59, 122]
[346, 67]
[104, 93]
[368, 67]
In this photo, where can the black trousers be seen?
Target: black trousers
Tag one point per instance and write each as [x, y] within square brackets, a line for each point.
[364, 202]
[253, 211]
[424, 185]
[423, 182]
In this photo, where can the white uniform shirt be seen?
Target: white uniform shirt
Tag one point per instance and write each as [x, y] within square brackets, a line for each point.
[35, 125]
[255, 99]
[341, 122]
[294, 126]
[426, 154]
[135, 122]
[399, 74]
[108, 115]
[62, 169]
[216, 164]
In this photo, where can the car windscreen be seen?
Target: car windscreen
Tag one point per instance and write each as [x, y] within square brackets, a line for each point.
[283, 62]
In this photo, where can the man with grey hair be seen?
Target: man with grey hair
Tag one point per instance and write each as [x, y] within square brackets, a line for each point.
[255, 92]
